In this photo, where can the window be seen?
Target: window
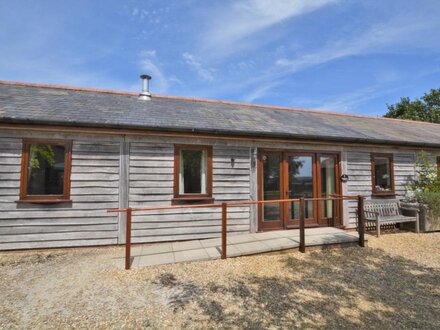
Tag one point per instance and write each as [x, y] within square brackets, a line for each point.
[382, 174]
[192, 173]
[45, 171]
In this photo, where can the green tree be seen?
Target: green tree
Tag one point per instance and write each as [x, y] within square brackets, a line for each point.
[40, 153]
[427, 108]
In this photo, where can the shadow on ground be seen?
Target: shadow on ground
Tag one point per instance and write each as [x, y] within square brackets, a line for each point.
[349, 288]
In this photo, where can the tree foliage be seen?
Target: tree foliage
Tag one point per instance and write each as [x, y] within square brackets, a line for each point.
[427, 108]
[425, 189]
[40, 153]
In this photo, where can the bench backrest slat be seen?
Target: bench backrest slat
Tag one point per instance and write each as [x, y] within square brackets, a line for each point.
[384, 208]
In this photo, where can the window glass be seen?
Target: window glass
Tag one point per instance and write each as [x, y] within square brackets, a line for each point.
[382, 174]
[46, 169]
[193, 172]
[300, 184]
[328, 183]
[271, 186]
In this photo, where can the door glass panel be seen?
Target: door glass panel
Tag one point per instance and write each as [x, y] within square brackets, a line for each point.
[328, 184]
[271, 186]
[300, 171]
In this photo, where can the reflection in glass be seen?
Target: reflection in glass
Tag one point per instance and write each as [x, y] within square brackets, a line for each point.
[382, 173]
[193, 167]
[300, 184]
[328, 184]
[271, 186]
[45, 170]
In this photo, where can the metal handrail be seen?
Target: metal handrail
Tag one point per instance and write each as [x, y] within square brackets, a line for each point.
[224, 208]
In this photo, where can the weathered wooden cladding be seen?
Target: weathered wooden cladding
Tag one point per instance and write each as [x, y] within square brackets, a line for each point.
[151, 184]
[124, 177]
[359, 171]
[94, 188]
[117, 172]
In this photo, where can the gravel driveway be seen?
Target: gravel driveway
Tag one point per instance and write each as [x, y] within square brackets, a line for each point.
[393, 283]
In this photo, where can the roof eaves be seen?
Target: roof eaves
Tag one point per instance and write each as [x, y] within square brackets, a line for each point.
[255, 134]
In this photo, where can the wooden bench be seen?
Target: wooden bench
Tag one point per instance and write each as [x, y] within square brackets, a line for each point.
[383, 212]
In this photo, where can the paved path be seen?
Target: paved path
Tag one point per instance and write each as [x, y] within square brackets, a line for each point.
[238, 245]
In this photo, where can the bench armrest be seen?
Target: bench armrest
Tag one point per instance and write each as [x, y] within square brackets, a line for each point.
[410, 209]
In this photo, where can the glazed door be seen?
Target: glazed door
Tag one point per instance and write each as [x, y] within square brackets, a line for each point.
[270, 188]
[327, 173]
[299, 176]
[292, 175]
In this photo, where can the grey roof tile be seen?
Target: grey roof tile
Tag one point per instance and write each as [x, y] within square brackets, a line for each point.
[44, 105]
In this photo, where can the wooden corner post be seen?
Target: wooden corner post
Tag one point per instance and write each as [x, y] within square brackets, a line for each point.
[302, 216]
[361, 221]
[224, 228]
[128, 240]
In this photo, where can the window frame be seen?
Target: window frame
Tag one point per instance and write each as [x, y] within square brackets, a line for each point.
[45, 199]
[373, 174]
[178, 197]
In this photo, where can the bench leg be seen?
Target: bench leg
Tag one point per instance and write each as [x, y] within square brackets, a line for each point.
[377, 228]
[417, 223]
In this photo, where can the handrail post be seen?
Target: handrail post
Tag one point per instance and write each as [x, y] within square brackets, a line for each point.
[332, 221]
[128, 240]
[361, 222]
[302, 215]
[224, 228]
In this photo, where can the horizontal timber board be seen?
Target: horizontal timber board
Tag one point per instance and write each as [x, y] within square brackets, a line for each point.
[58, 229]
[183, 237]
[93, 191]
[58, 221]
[187, 224]
[211, 210]
[187, 230]
[43, 213]
[189, 217]
[94, 177]
[57, 244]
[57, 236]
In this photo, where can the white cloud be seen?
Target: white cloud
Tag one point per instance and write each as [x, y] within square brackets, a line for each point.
[206, 74]
[228, 27]
[260, 92]
[173, 79]
[161, 82]
[348, 101]
[149, 53]
[397, 35]
[401, 34]
[150, 65]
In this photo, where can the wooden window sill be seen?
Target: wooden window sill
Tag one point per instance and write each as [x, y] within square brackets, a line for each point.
[391, 193]
[43, 201]
[193, 199]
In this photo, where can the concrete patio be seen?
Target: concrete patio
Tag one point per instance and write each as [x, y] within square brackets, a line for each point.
[145, 255]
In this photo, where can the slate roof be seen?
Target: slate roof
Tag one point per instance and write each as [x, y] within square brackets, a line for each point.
[54, 105]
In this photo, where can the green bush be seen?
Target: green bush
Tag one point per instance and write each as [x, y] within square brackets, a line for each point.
[426, 188]
[431, 199]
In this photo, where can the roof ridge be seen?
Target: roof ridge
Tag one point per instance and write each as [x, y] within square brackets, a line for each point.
[263, 106]
[73, 88]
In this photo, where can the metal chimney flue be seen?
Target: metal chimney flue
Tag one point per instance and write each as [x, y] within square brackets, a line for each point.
[145, 94]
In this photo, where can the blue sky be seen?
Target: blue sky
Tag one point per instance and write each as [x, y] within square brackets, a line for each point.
[346, 56]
